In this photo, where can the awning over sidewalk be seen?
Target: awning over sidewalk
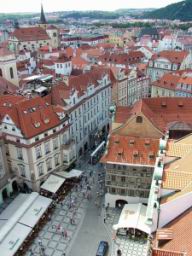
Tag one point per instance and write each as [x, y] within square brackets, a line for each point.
[18, 220]
[35, 212]
[133, 216]
[74, 173]
[53, 183]
[14, 239]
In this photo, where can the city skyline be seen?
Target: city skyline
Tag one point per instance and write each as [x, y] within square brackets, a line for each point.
[58, 5]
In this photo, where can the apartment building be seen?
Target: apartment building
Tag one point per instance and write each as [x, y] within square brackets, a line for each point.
[130, 86]
[175, 84]
[133, 145]
[37, 141]
[168, 61]
[86, 98]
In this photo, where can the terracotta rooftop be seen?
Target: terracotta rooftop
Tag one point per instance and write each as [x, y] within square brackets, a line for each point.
[131, 150]
[132, 57]
[178, 174]
[176, 57]
[165, 113]
[30, 34]
[182, 233]
[31, 116]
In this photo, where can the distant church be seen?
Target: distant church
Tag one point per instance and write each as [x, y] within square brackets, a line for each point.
[43, 22]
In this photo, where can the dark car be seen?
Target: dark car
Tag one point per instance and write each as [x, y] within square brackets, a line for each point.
[102, 248]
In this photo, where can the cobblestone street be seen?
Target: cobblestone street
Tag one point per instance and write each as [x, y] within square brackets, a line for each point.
[89, 228]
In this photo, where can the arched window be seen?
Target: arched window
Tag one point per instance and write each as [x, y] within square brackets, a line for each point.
[1, 73]
[11, 73]
[139, 119]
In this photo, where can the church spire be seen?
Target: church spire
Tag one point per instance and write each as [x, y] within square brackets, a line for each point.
[42, 18]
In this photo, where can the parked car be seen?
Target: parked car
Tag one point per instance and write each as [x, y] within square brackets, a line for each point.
[102, 248]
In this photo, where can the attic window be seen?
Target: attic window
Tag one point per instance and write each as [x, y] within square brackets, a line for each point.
[139, 119]
[151, 155]
[135, 153]
[180, 104]
[37, 124]
[132, 142]
[147, 142]
[163, 104]
[46, 120]
[116, 141]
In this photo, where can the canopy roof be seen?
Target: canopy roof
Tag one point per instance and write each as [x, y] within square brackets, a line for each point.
[74, 173]
[53, 183]
[133, 216]
[18, 220]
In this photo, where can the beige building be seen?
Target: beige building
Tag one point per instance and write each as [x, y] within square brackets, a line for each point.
[86, 99]
[53, 33]
[30, 38]
[8, 68]
[8, 183]
[129, 86]
[37, 138]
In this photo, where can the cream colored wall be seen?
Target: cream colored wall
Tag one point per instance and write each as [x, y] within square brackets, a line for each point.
[5, 67]
[54, 40]
[144, 129]
[161, 92]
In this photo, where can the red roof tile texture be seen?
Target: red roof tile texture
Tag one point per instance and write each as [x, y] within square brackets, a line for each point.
[30, 34]
[131, 150]
[132, 57]
[176, 57]
[182, 233]
[31, 116]
[162, 112]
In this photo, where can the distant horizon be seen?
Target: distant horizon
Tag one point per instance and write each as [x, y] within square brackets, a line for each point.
[33, 6]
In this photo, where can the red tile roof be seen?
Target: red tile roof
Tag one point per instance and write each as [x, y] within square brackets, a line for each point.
[123, 58]
[162, 112]
[30, 34]
[132, 150]
[182, 233]
[31, 116]
[167, 81]
[176, 57]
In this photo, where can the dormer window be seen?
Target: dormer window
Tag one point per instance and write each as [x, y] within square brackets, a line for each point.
[37, 124]
[46, 120]
[139, 119]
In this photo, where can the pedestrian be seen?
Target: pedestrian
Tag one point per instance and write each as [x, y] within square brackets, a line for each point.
[65, 234]
[104, 220]
[40, 242]
[58, 227]
[71, 221]
[31, 252]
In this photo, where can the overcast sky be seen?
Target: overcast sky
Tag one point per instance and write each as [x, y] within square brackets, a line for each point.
[66, 5]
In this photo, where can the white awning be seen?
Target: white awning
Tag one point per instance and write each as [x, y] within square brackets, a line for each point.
[35, 212]
[18, 219]
[14, 206]
[74, 173]
[14, 239]
[133, 216]
[53, 183]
